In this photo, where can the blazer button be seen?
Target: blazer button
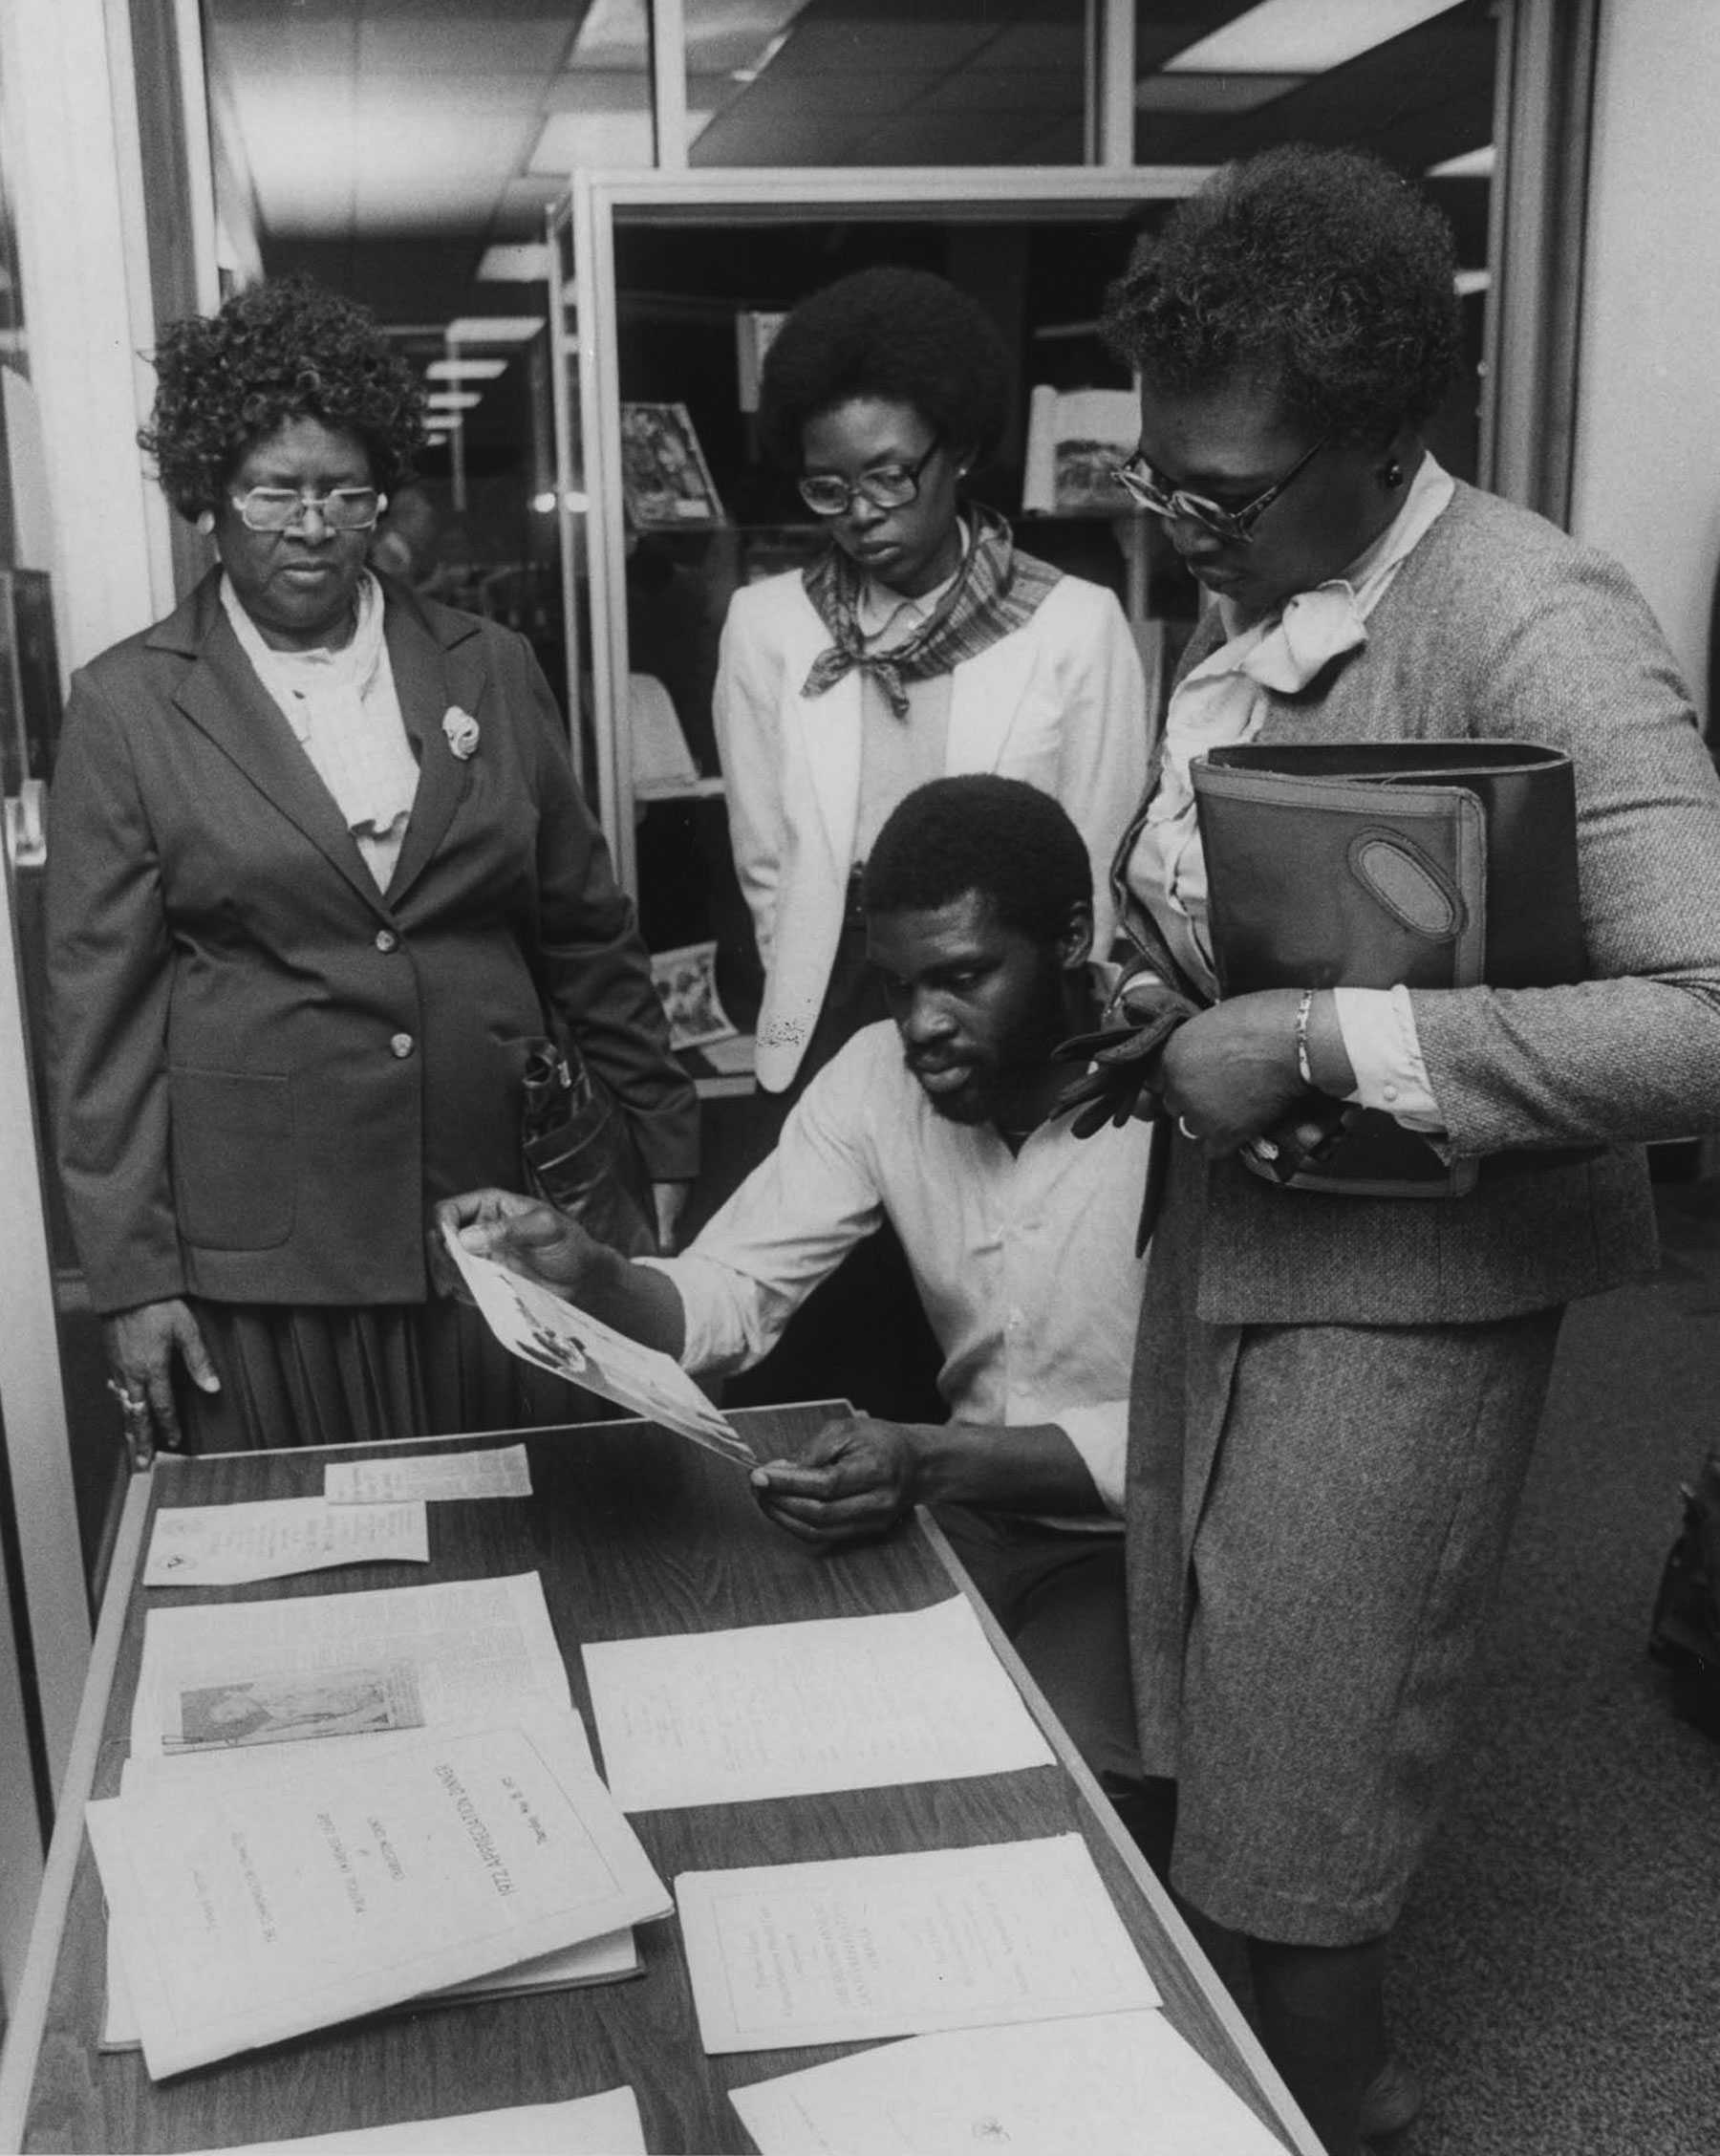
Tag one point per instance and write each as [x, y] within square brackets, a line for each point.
[401, 1043]
[387, 939]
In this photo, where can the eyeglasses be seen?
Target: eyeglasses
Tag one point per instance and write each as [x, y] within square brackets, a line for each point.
[885, 487]
[1139, 481]
[278, 508]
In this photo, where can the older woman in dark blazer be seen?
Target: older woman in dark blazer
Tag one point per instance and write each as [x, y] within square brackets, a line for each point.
[320, 870]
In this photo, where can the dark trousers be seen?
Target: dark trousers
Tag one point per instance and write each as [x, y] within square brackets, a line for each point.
[1059, 1597]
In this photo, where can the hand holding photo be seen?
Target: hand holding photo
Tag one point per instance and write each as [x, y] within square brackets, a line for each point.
[535, 1324]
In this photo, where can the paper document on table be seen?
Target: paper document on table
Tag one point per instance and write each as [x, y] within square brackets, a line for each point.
[594, 1961]
[220, 1545]
[503, 1473]
[586, 2126]
[477, 1648]
[833, 1953]
[1107, 2084]
[248, 1911]
[787, 1710]
[541, 1327]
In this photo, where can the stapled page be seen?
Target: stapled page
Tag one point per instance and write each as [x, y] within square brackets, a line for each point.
[477, 1648]
[857, 1946]
[222, 1545]
[787, 1710]
[1111, 2084]
[501, 1472]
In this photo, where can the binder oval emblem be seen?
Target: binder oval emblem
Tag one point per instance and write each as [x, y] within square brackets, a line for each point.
[1413, 889]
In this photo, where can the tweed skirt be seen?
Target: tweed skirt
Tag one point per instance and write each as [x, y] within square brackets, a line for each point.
[1316, 1517]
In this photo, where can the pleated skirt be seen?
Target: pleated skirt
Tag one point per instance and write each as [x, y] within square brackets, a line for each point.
[293, 1375]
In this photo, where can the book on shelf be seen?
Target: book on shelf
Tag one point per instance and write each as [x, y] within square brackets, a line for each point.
[1076, 439]
[755, 332]
[664, 476]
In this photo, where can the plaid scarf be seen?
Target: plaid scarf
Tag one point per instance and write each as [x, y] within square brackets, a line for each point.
[997, 591]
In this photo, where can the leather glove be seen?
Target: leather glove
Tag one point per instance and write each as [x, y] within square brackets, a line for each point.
[1124, 1058]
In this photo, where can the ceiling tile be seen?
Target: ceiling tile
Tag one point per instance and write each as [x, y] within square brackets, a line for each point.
[1001, 90]
[476, 42]
[861, 46]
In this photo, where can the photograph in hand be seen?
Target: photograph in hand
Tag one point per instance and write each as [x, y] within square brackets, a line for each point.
[536, 1324]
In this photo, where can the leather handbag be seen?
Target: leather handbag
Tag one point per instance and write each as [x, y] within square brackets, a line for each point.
[1442, 864]
[578, 1153]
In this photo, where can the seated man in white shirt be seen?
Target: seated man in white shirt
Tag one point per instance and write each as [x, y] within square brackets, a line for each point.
[1021, 1239]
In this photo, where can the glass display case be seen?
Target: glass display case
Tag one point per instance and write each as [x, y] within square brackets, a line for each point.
[666, 288]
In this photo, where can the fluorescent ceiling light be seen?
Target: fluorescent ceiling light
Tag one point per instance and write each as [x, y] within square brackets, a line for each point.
[493, 329]
[1472, 164]
[614, 34]
[610, 142]
[527, 265]
[465, 370]
[599, 142]
[453, 399]
[1212, 93]
[1473, 281]
[1304, 36]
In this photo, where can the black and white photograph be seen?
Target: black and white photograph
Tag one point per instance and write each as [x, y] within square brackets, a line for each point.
[860, 1077]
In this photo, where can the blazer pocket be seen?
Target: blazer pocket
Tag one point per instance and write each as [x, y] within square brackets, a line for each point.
[232, 1159]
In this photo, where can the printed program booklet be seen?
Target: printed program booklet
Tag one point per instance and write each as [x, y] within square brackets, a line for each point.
[249, 1912]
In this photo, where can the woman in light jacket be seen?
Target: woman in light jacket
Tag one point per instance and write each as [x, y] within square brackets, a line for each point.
[922, 642]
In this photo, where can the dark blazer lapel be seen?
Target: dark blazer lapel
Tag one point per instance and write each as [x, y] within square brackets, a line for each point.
[437, 662]
[221, 695]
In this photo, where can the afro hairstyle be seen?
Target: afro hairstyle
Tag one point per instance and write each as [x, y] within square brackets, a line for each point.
[902, 336]
[284, 350]
[1000, 837]
[1321, 271]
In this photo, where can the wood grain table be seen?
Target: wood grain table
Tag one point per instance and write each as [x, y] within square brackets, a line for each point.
[632, 1532]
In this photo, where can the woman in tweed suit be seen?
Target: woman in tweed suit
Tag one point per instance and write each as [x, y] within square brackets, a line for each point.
[1335, 1396]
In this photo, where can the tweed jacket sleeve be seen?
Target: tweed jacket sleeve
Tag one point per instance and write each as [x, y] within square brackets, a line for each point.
[1632, 1054]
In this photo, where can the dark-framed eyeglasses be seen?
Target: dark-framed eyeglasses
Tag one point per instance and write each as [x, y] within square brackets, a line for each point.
[278, 508]
[885, 487]
[1141, 483]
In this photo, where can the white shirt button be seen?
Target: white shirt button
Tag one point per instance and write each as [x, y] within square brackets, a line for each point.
[387, 939]
[1391, 1092]
[401, 1043]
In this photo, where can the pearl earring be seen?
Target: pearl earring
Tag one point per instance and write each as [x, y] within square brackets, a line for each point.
[205, 522]
[1392, 477]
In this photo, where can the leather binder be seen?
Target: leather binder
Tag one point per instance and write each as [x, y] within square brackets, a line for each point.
[1443, 864]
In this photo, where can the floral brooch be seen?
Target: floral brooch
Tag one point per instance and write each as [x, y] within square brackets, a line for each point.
[461, 730]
